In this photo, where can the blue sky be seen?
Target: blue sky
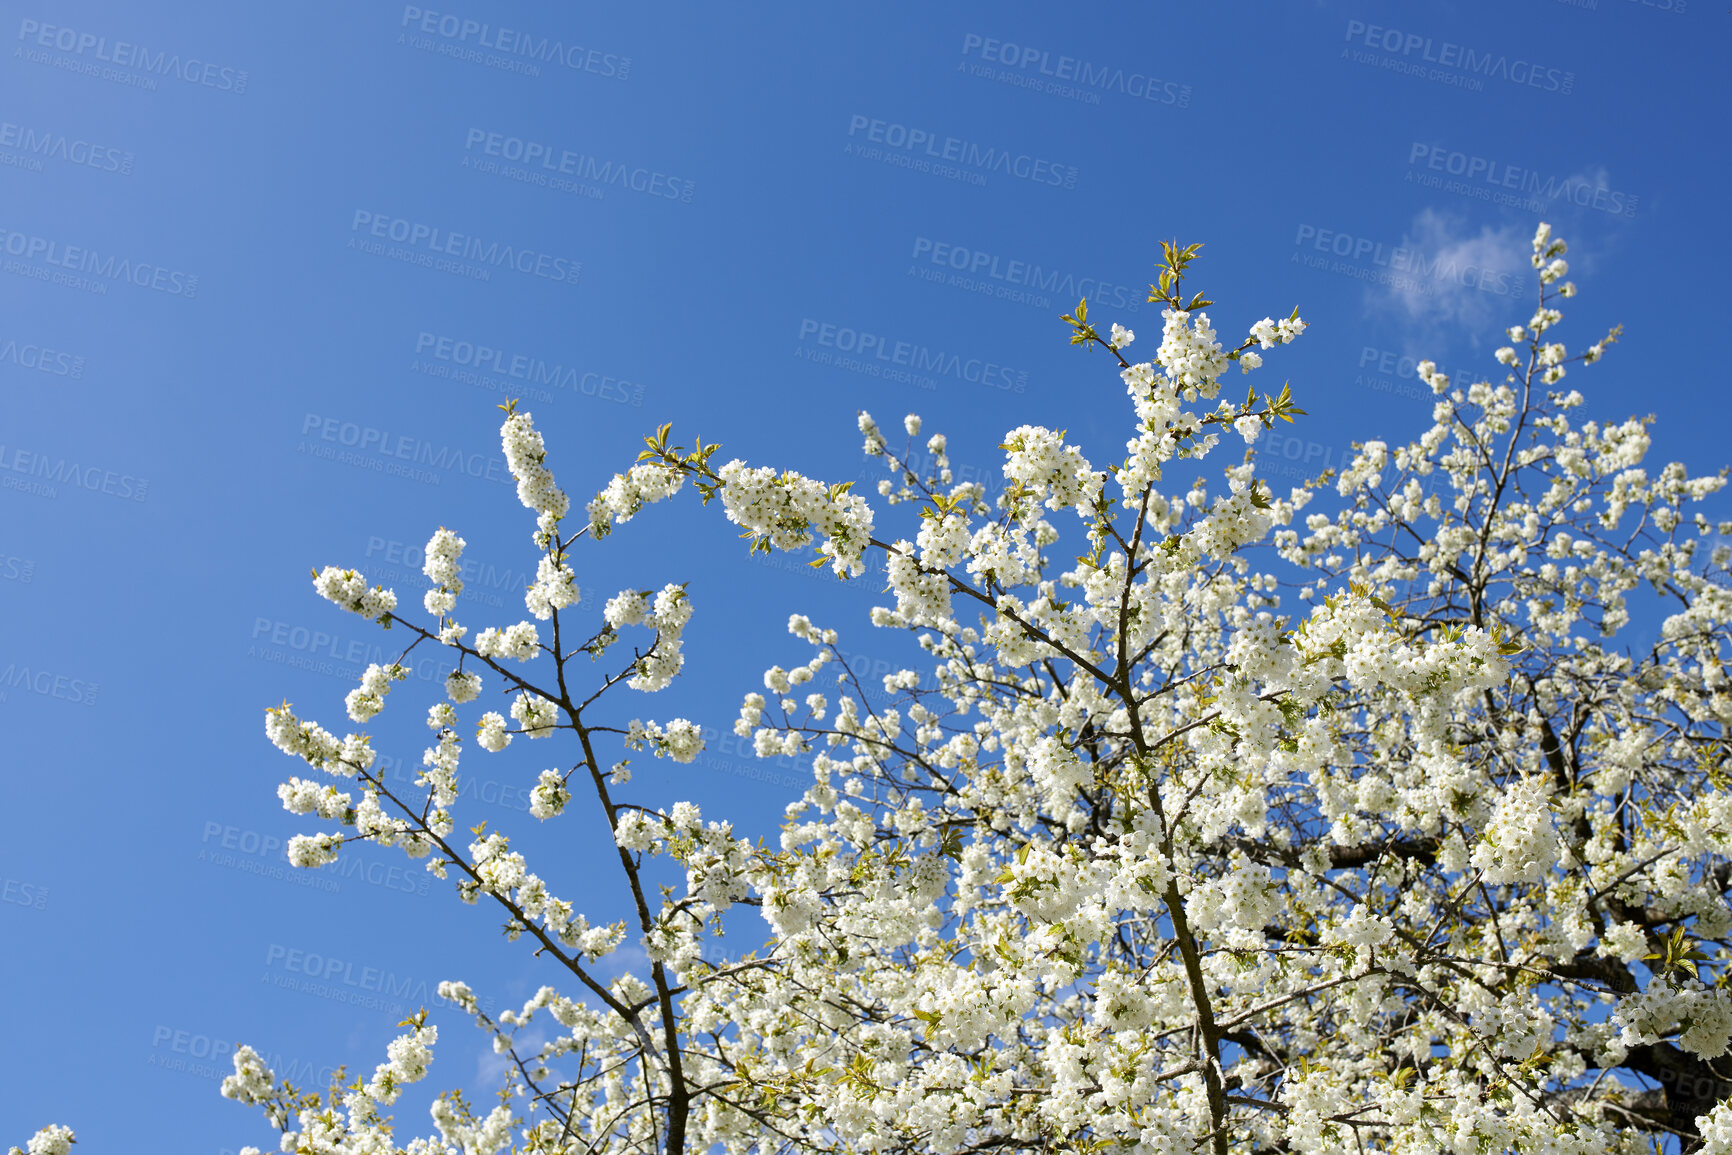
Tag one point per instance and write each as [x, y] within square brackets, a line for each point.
[248, 326]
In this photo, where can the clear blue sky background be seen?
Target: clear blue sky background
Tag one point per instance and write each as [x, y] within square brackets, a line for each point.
[159, 576]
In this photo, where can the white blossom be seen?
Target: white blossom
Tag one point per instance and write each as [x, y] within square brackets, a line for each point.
[1137, 845]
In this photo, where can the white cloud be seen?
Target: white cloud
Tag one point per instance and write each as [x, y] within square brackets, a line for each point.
[1456, 285]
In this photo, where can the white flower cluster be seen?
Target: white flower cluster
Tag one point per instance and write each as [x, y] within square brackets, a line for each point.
[944, 540]
[874, 445]
[1243, 899]
[484, 1137]
[555, 588]
[1053, 473]
[1349, 636]
[1716, 1130]
[627, 608]
[365, 701]
[535, 715]
[463, 686]
[784, 510]
[1431, 378]
[1414, 842]
[444, 568]
[636, 831]
[1234, 521]
[678, 738]
[347, 588]
[751, 714]
[520, 642]
[1519, 844]
[491, 733]
[439, 769]
[548, 797]
[1269, 333]
[1548, 251]
[500, 868]
[252, 1082]
[317, 746]
[51, 1140]
[1701, 1015]
[407, 1059]
[667, 615]
[301, 796]
[526, 457]
[439, 774]
[1623, 941]
[354, 1128]
[629, 492]
[1192, 361]
[309, 851]
[1362, 930]
[1190, 354]
[1159, 426]
[922, 597]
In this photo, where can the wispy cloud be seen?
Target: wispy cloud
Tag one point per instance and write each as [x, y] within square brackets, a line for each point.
[1460, 284]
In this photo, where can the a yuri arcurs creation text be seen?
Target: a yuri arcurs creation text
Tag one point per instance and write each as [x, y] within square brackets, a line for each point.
[1216, 823]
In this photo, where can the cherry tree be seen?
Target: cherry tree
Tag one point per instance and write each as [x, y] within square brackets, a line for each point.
[1346, 819]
